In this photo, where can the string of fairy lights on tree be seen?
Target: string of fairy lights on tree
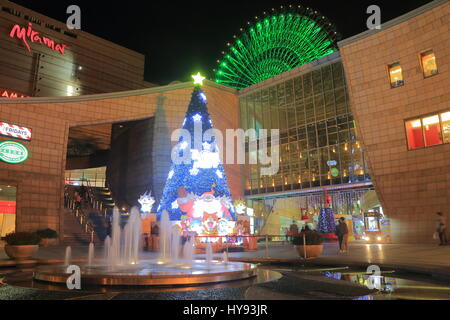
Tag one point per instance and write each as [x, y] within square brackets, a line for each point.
[278, 42]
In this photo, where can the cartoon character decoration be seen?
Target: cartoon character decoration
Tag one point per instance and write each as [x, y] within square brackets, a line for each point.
[240, 207]
[225, 227]
[210, 222]
[205, 214]
[146, 201]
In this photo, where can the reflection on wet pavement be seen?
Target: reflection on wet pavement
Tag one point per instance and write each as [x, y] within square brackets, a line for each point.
[392, 286]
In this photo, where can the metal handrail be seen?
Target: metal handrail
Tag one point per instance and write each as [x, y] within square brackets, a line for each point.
[80, 215]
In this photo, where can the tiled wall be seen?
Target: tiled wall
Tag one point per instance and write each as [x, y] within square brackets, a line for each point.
[412, 185]
[40, 178]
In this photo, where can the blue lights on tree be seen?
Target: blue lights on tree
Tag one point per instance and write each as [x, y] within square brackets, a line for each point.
[204, 172]
[326, 223]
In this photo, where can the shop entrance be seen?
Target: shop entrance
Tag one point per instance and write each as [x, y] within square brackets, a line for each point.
[7, 209]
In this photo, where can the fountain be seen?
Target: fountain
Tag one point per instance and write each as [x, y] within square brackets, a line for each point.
[175, 265]
[208, 255]
[225, 257]
[68, 256]
[91, 254]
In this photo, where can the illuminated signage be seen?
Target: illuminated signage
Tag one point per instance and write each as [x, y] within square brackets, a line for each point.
[13, 152]
[30, 35]
[332, 163]
[10, 94]
[14, 131]
[334, 172]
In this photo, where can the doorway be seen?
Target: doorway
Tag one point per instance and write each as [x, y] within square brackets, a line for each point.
[7, 209]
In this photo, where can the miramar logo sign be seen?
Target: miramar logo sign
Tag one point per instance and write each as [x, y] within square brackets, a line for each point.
[30, 35]
[13, 152]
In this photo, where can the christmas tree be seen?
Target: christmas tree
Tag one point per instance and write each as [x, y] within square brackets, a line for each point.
[326, 223]
[201, 177]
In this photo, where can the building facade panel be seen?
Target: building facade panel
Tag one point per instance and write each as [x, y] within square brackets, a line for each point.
[412, 184]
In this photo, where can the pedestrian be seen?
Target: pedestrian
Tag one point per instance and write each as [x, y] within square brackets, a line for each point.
[293, 230]
[342, 234]
[77, 200]
[286, 234]
[441, 229]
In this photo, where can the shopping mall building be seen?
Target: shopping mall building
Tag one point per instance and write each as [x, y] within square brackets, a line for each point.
[367, 125]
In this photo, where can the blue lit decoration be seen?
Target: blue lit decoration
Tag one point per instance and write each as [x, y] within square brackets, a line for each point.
[204, 173]
[326, 223]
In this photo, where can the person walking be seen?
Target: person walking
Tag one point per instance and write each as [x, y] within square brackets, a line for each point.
[293, 230]
[342, 234]
[441, 228]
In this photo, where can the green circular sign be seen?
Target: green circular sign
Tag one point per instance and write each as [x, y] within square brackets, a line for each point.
[334, 172]
[13, 152]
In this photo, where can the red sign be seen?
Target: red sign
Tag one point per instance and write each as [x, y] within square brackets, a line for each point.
[10, 94]
[8, 207]
[28, 34]
[14, 131]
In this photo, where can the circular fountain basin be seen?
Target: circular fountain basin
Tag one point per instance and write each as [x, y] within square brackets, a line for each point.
[151, 273]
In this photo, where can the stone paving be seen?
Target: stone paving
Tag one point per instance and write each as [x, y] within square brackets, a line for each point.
[417, 257]
[294, 284]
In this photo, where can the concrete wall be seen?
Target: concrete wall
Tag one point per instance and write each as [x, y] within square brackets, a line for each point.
[40, 179]
[411, 185]
[130, 168]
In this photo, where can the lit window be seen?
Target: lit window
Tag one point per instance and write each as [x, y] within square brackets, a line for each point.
[414, 134]
[445, 119]
[428, 63]
[432, 130]
[396, 75]
[69, 90]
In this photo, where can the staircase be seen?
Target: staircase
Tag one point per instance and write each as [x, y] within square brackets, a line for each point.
[91, 220]
[103, 195]
[74, 233]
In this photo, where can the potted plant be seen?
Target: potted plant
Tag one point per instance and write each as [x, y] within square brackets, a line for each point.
[47, 235]
[313, 244]
[21, 245]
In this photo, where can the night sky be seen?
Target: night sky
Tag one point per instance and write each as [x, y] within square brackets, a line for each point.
[179, 38]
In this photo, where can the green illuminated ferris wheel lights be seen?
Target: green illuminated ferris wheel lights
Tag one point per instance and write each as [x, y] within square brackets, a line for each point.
[275, 44]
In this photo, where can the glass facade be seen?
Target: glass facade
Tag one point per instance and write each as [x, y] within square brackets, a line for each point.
[318, 143]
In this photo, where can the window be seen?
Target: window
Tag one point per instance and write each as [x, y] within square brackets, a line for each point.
[432, 130]
[445, 119]
[429, 65]
[414, 134]
[427, 131]
[396, 75]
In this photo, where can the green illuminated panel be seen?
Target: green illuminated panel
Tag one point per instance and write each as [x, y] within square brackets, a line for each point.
[276, 44]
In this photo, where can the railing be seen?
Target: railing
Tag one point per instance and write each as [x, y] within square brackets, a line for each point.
[265, 237]
[91, 198]
[80, 215]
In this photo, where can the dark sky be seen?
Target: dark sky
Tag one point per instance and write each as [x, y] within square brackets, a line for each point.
[179, 38]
